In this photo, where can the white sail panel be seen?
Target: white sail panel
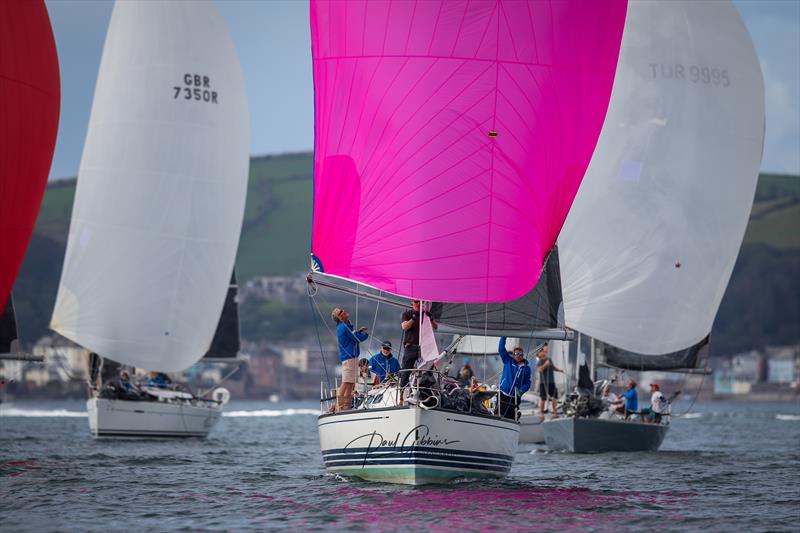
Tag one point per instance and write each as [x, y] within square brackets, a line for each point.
[650, 242]
[161, 189]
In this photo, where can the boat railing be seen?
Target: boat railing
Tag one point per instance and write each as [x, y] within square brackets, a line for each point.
[413, 394]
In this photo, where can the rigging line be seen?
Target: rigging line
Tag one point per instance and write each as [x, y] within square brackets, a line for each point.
[220, 382]
[374, 322]
[319, 339]
[485, 332]
[696, 394]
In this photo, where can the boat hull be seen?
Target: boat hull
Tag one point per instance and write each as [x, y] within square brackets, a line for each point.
[122, 418]
[530, 429]
[593, 435]
[415, 446]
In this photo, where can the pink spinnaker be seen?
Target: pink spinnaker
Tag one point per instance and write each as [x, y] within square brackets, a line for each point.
[452, 137]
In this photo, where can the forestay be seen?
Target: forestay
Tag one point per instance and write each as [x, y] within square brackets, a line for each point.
[451, 137]
[30, 97]
[653, 234]
[161, 189]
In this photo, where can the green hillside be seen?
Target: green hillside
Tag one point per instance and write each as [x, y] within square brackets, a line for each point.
[760, 307]
[276, 233]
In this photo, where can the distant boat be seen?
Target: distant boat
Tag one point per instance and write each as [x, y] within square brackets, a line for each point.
[29, 107]
[450, 140]
[158, 210]
[650, 242]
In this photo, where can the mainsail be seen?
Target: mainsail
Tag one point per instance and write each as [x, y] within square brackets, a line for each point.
[9, 343]
[226, 342]
[536, 311]
[451, 138]
[29, 107]
[649, 245]
[161, 189]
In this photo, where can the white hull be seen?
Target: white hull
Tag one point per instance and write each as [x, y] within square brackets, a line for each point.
[415, 446]
[123, 418]
[530, 429]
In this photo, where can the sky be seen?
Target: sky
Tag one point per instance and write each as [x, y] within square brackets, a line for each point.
[274, 45]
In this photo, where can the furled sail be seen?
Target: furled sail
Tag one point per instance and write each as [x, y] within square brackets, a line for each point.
[161, 189]
[650, 242]
[226, 342]
[452, 136]
[30, 98]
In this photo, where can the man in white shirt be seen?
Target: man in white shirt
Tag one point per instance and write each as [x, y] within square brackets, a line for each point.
[658, 404]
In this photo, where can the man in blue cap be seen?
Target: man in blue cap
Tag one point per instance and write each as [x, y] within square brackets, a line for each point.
[384, 363]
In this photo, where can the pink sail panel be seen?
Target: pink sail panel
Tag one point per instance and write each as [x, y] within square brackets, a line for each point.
[30, 96]
[452, 137]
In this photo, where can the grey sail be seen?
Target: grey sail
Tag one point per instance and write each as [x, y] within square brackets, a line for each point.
[537, 310]
[8, 329]
[690, 358]
[226, 342]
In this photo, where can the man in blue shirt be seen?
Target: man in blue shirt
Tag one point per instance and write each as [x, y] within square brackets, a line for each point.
[515, 381]
[631, 397]
[349, 351]
[158, 379]
[385, 363]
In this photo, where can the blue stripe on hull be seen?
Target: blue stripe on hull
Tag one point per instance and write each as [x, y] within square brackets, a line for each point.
[400, 462]
[414, 464]
[448, 458]
[416, 449]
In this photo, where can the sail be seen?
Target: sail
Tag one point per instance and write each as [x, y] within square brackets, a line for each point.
[692, 357]
[9, 342]
[161, 189]
[226, 342]
[649, 245]
[29, 107]
[537, 310]
[451, 138]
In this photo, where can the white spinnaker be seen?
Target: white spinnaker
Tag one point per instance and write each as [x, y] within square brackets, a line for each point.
[161, 189]
[650, 242]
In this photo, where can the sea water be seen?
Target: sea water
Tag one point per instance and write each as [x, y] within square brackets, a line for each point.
[724, 466]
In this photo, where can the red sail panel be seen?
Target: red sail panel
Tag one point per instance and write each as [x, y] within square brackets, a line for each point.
[30, 95]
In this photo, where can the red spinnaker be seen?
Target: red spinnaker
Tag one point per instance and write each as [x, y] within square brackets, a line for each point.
[30, 97]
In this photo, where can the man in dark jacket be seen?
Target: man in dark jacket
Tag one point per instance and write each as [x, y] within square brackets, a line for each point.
[515, 381]
[410, 323]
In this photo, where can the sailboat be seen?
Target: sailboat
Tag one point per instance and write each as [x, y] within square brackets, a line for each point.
[450, 139]
[652, 237]
[31, 89]
[158, 209]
